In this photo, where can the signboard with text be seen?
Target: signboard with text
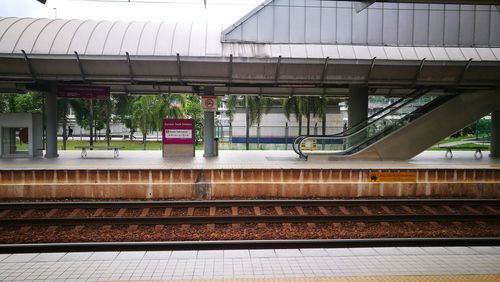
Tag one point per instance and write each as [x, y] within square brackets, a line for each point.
[83, 92]
[178, 131]
[209, 103]
[392, 176]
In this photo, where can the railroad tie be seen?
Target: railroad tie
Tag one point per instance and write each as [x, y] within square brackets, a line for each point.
[134, 227]
[257, 211]
[211, 212]
[4, 213]
[50, 214]
[27, 213]
[234, 212]
[432, 211]
[388, 211]
[75, 213]
[345, 211]
[409, 210]
[492, 209]
[452, 211]
[301, 212]
[24, 215]
[190, 212]
[166, 213]
[279, 211]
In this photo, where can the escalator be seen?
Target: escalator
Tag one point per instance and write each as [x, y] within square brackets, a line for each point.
[403, 129]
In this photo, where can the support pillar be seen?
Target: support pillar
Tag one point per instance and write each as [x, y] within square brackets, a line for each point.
[51, 123]
[208, 129]
[357, 110]
[495, 135]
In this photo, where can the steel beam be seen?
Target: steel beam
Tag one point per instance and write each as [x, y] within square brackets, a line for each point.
[179, 70]
[30, 67]
[368, 75]
[417, 75]
[130, 70]
[277, 74]
[80, 66]
[462, 74]
[230, 76]
[323, 74]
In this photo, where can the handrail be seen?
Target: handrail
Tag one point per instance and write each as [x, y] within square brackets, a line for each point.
[410, 116]
[415, 94]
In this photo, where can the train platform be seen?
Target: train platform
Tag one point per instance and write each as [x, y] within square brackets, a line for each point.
[339, 264]
[229, 159]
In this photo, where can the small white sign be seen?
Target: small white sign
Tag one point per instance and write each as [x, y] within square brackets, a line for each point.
[209, 103]
[179, 133]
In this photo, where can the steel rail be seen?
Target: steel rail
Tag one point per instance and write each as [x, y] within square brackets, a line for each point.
[246, 203]
[246, 244]
[247, 219]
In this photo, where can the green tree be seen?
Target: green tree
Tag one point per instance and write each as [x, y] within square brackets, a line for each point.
[195, 111]
[292, 105]
[148, 112]
[312, 106]
[30, 102]
[144, 115]
[6, 103]
[256, 107]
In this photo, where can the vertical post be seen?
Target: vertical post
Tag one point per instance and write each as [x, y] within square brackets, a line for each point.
[208, 128]
[357, 111]
[208, 134]
[258, 135]
[64, 124]
[286, 136]
[495, 135]
[230, 135]
[247, 121]
[51, 122]
[91, 122]
[323, 121]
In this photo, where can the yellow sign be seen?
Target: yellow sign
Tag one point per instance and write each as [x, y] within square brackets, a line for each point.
[392, 176]
[309, 145]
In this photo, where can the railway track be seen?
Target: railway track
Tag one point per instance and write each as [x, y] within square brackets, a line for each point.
[243, 211]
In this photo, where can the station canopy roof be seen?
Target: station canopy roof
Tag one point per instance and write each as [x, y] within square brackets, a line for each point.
[278, 49]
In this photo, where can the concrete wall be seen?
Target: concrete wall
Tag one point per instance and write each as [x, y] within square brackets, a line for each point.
[34, 123]
[246, 183]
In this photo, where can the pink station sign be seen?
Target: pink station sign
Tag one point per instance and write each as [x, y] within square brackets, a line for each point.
[178, 131]
[83, 92]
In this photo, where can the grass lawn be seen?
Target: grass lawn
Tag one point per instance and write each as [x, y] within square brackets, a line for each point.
[129, 145]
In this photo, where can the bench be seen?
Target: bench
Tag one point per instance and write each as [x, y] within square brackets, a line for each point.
[449, 154]
[115, 148]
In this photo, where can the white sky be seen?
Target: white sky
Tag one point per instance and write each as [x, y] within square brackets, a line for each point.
[221, 11]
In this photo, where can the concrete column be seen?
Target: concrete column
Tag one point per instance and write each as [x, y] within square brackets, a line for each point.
[357, 110]
[495, 135]
[51, 123]
[208, 129]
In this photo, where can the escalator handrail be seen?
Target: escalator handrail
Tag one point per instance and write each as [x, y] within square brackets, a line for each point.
[364, 122]
[417, 93]
[415, 114]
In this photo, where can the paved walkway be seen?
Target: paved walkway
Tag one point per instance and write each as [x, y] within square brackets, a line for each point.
[252, 264]
[238, 159]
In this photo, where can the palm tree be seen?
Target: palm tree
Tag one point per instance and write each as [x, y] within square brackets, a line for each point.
[149, 111]
[144, 115]
[312, 106]
[292, 105]
[304, 106]
[257, 107]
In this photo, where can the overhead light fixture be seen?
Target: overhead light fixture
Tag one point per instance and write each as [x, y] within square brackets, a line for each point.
[42, 1]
